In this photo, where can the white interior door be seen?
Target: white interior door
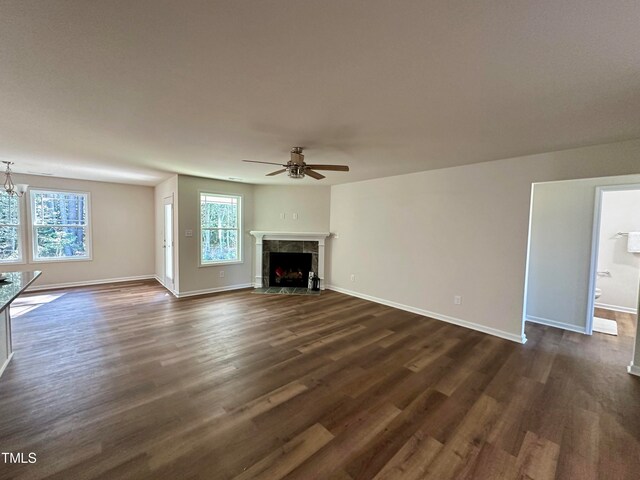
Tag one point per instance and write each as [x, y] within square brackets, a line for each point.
[168, 242]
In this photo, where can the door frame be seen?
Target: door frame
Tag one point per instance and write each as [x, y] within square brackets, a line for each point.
[595, 246]
[168, 281]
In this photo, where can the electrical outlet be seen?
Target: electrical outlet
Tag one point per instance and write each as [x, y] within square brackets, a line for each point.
[221, 273]
[188, 233]
[353, 277]
[457, 300]
[295, 216]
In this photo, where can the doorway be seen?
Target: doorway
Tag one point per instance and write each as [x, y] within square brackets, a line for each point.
[562, 259]
[615, 258]
[167, 243]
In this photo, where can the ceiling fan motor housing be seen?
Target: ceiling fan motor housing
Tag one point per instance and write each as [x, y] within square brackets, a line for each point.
[296, 156]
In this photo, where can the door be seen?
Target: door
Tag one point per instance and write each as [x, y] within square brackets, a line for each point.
[167, 244]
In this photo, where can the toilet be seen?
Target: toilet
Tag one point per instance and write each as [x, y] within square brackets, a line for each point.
[598, 293]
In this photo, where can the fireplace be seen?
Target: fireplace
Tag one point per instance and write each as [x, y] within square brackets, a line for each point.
[289, 269]
[288, 242]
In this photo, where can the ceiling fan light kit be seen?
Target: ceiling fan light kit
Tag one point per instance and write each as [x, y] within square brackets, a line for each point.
[297, 168]
[295, 171]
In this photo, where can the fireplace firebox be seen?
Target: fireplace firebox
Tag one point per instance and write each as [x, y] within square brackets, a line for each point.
[289, 269]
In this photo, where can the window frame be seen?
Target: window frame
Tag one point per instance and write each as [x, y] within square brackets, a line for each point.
[216, 263]
[21, 235]
[88, 230]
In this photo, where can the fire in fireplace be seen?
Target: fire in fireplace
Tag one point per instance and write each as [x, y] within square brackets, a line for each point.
[289, 269]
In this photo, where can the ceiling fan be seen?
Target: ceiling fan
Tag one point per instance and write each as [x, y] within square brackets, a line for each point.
[297, 168]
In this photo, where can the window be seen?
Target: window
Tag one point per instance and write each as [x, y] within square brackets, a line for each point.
[10, 230]
[220, 224]
[60, 222]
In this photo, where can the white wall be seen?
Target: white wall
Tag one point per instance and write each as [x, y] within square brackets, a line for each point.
[311, 203]
[620, 213]
[560, 251]
[417, 240]
[166, 189]
[122, 231]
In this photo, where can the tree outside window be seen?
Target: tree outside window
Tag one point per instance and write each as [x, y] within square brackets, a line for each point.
[10, 233]
[60, 225]
[220, 228]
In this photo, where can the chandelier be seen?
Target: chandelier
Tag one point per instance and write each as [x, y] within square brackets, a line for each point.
[11, 188]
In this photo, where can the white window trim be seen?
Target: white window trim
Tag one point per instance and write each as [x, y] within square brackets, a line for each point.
[240, 220]
[21, 235]
[32, 254]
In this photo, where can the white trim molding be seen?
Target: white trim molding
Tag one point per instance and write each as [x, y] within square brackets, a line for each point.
[171, 290]
[88, 283]
[633, 369]
[553, 323]
[6, 363]
[616, 308]
[206, 291]
[437, 316]
[260, 235]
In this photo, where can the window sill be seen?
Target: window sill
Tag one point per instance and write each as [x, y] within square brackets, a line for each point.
[218, 264]
[12, 262]
[61, 260]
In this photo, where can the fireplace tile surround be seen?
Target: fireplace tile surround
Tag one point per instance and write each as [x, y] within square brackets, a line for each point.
[294, 242]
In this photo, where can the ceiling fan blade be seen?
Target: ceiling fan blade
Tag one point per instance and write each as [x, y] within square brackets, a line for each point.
[313, 174]
[257, 161]
[337, 168]
[277, 172]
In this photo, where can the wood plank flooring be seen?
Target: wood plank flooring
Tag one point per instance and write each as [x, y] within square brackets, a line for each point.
[126, 382]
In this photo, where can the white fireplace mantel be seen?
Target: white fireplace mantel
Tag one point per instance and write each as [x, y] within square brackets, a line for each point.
[292, 236]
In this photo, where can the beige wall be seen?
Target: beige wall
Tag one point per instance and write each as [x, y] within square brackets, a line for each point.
[560, 250]
[310, 203]
[262, 206]
[167, 189]
[122, 231]
[620, 213]
[417, 240]
[193, 278]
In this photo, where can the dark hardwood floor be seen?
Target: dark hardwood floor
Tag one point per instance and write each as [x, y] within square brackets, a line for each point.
[125, 381]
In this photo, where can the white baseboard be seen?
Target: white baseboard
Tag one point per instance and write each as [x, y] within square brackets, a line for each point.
[132, 279]
[633, 369]
[205, 291]
[554, 323]
[425, 313]
[6, 363]
[616, 308]
[88, 283]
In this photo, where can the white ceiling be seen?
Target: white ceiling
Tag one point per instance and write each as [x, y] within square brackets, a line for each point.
[130, 91]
